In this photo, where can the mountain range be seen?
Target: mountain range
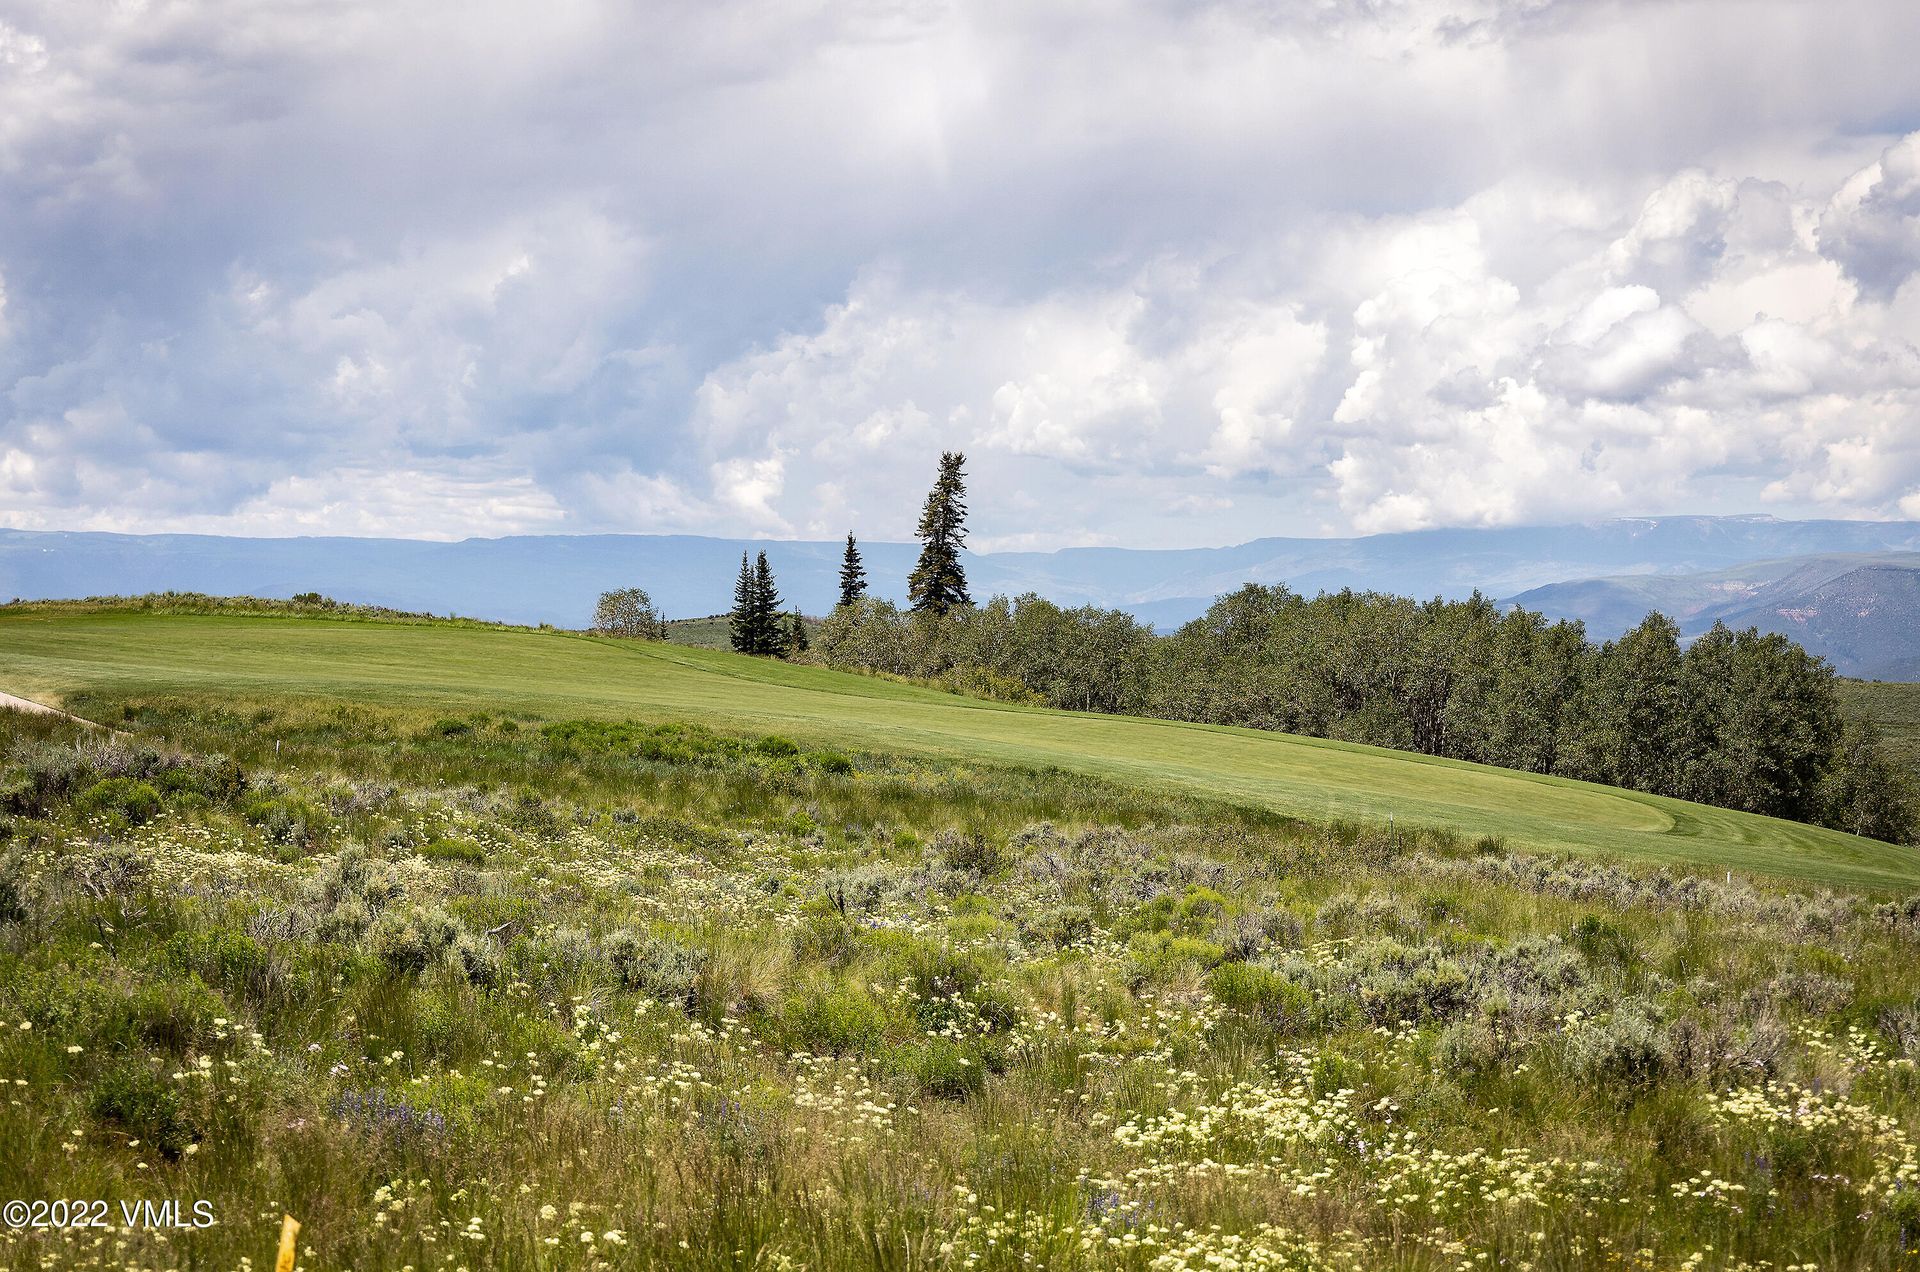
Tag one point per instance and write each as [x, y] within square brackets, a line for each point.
[1848, 589]
[1861, 612]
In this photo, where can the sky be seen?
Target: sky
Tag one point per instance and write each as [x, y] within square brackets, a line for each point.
[1169, 273]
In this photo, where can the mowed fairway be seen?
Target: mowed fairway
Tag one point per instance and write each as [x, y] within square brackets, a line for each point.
[50, 654]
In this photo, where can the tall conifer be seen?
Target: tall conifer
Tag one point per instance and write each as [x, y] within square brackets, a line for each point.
[740, 619]
[769, 635]
[938, 582]
[853, 573]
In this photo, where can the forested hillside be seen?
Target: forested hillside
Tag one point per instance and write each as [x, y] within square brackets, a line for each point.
[1738, 719]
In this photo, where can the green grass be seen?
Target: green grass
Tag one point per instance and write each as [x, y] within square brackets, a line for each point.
[711, 632]
[70, 653]
[1895, 707]
[715, 631]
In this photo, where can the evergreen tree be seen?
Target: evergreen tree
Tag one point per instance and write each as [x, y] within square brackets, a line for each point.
[740, 620]
[797, 641]
[769, 633]
[853, 574]
[938, 583]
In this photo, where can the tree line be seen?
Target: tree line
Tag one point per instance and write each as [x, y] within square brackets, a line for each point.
[1736, 719]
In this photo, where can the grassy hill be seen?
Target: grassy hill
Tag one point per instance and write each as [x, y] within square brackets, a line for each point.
[77, 655]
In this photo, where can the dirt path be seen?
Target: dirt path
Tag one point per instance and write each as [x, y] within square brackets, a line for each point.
[10, 703]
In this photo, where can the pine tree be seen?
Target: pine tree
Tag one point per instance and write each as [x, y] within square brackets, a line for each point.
[797, 640]
[769, 635]
[740, 620]
[853, 574]
[938, 583]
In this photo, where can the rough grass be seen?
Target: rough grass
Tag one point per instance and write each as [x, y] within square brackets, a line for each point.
[72, 652]
[488, 990]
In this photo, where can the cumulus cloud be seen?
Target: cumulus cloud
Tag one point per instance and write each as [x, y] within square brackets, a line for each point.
[1174, 273]
[1872, 224]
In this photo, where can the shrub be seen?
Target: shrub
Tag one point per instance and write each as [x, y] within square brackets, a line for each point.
[943, 1068]
[41, 777]
[349, 892]
[115, 871]
[120, 798]
[145, 1104]
[857, 890]
[1603, 942]
[410, 941]
[476, 959]
[15, 889]
[1261, 993]
[972, 853]
[214, 777]
[834, 1020]
[776, 746]
[1628, 1051]
[1061, 925]
[830, 762]
[1466, 1048]
[453, 850]
[656, 966]
[282, 819]
[1157, 957]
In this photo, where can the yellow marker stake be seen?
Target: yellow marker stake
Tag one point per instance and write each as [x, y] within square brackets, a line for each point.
[289, 1229]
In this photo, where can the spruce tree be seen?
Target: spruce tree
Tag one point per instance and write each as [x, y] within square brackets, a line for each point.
[938, 583]
[769, 635]
[740, 620]
[797, 640]
[853, 574]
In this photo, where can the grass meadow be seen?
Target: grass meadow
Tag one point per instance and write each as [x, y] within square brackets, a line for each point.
[671, 974]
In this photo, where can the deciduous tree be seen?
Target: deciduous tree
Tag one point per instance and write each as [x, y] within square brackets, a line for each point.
[629, 611]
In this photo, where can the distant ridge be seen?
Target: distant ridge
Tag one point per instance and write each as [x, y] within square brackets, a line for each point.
[1859, 611]
[554, 578]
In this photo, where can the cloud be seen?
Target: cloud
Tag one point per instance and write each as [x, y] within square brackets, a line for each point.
[1169, 273]
[1872, 224]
